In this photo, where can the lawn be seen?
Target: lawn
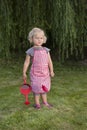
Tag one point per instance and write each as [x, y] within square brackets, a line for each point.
[68, 96]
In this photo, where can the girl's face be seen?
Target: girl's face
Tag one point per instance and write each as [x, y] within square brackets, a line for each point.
[38, 39]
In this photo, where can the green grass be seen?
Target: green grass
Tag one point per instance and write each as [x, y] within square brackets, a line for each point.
[68, 95]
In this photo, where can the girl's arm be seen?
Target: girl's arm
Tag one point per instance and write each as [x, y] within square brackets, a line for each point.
[26, 65]
[50, 65]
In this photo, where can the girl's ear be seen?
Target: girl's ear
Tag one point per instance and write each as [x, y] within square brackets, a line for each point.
[45, 39]
[31, 40]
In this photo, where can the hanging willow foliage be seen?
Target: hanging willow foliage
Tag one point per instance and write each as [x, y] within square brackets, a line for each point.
[68, 28]
[63, 20]
[16, 20]
[5, 26]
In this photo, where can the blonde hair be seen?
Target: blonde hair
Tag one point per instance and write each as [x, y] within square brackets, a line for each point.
[35, 31]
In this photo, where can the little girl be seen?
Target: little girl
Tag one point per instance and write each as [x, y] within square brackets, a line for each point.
[41, 68]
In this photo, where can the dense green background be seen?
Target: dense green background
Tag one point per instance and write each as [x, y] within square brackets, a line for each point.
[64, 21]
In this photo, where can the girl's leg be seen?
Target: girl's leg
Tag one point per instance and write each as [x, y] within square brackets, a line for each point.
[37, 102]
[44, 97]
[37, 98]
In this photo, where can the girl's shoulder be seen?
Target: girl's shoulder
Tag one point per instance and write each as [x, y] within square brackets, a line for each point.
[30, 51]
[47, 49]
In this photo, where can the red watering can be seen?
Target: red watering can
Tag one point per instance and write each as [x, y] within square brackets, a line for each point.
[25, 89]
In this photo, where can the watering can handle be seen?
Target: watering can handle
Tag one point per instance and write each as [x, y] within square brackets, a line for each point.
[24, 81]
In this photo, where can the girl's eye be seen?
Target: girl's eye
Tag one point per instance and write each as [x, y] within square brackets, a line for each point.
[39, 37]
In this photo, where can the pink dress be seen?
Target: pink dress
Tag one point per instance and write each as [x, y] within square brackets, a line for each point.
[39, 72]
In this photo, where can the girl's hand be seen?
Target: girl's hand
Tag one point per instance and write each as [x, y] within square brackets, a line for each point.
[52, 74]
[24, 76]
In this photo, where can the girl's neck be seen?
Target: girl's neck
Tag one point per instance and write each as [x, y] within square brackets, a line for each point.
[37, 46]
